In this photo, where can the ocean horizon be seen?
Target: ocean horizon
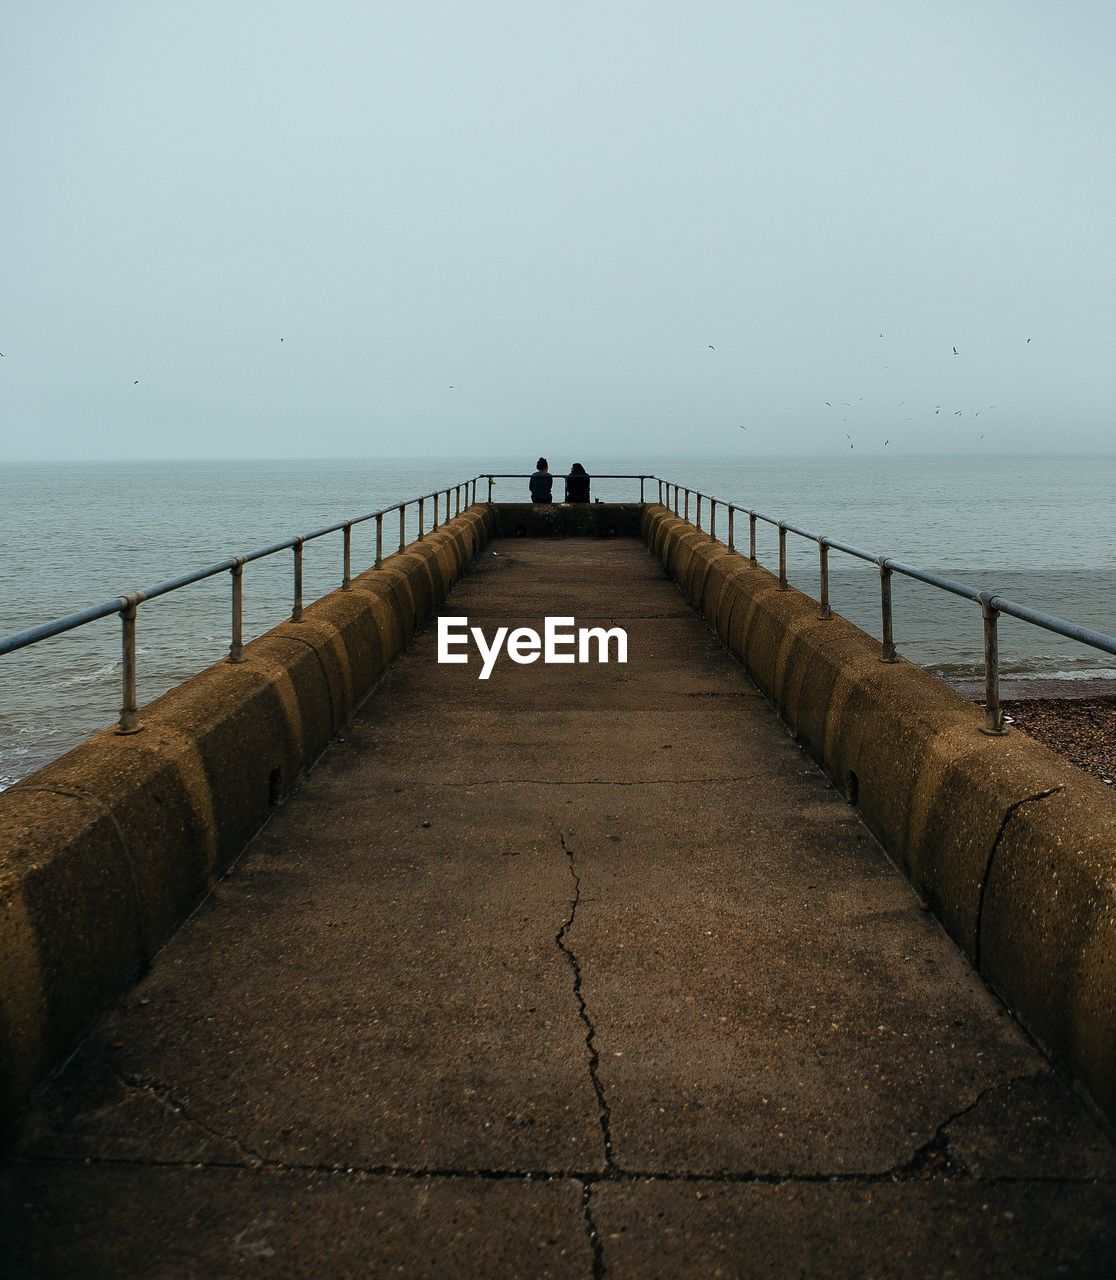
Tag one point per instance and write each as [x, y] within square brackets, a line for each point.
[1034, 528]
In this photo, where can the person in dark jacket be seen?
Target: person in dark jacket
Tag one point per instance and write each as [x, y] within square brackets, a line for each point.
[542, 483]
[577, 484]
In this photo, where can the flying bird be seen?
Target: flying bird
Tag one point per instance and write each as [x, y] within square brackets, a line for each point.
[282, 339]
[1028, 339]
[136, 383]
[711, 346]
[828, 405]
[957, 413]
[885, 442]
[743, 428]
[956, 352]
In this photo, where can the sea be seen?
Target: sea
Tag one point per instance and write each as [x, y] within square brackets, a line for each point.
[1038, 530]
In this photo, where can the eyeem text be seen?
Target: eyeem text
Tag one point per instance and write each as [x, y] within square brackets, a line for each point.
[559, 642]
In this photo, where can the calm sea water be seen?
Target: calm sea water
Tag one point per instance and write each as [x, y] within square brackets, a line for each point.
[1036, 529]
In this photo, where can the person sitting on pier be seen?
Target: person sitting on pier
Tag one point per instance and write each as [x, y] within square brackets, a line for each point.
[577, 484]
[542, 482]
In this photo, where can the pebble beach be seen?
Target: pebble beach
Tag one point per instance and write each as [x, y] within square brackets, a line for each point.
[1083, 729]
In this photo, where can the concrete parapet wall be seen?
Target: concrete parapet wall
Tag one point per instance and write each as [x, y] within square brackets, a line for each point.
[572, 520]
[1012, 845]
[104, 852]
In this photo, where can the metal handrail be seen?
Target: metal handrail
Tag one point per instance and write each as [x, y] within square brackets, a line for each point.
[642, 477]
[127, 605]
[992, 605]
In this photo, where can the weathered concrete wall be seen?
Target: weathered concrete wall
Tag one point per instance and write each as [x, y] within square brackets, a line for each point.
[104, 852]
[1013, 846]
[576, 520]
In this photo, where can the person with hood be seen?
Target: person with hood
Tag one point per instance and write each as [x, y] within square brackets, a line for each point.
[577, 484]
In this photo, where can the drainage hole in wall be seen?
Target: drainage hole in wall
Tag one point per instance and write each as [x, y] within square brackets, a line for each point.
[852, 787]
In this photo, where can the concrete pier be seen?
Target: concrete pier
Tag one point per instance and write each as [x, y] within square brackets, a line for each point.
[578, 971]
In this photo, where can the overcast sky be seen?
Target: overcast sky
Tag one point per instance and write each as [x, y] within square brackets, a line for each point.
[364, 229]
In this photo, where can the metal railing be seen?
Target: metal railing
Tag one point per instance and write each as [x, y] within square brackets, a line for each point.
[673, 496]
[677, 498]
[492, 477]
[128, 605]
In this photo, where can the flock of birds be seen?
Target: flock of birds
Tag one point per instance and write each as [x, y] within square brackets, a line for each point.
[847, 404]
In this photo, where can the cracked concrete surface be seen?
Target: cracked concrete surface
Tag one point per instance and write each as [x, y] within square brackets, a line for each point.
[594, 1062]
[579, 971]
[1010, 813]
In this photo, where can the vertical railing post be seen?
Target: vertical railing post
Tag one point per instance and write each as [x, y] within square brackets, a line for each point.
[489, 488]
[823, 564]
[641, 498]
[712, 517]
[661, 502]
[697, 521]
[402, 525]
[885, 609]
[296, 611]
[752, 536]
[236, 647]
[434, 526]
[993, 713]
[731, 512]
[686, 512]
[347, 574]
[379, 539]
[782, 556]
[422, 516]
[129, 715]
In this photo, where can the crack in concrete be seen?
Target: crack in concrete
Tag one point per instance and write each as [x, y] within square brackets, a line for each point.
[1009, 814]
[934, 1157]
[586, 1177]
[586, 782]
[603, 1114]
[166, 1098]
[591, 1231]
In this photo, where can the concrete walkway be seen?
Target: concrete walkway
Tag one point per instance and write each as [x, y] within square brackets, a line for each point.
[579, 971]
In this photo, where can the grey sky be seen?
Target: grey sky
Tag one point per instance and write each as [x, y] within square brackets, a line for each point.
[554, 210]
